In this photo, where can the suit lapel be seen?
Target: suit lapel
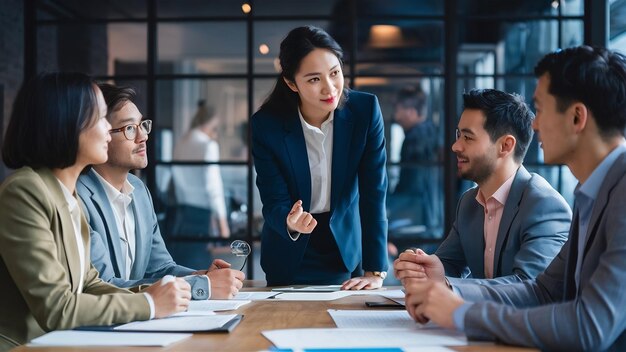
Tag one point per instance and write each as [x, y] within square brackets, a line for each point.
[141, 242]
[474, 248]
[569, 291]
[296, 148]
[342, 128]
[509, 212]
[70, 246]
[103, 206]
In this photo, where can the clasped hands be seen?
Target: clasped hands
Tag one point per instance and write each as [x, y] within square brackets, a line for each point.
[428, 296]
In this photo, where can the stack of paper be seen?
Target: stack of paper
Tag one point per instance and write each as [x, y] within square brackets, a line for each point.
[363, 338]
[106, 338]
[254, 295]
[186, 324]
[351, 319]
[312, 296]
[209, 307]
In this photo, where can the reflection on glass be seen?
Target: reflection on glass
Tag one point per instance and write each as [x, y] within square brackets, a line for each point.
[199, 189]
[195, 8]
[240, 248]
[178, 103]
[95, 49]
[412, 109]
[400, 47]
[189, 48]
[508, 47]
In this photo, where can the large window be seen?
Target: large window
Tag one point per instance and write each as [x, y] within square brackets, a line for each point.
[188, 57]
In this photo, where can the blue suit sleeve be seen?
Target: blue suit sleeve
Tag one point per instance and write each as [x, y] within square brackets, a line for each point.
[270, 181]
[160, 262]
[372, 192]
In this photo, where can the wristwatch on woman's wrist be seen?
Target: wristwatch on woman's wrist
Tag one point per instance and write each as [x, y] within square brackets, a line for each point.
[380, 274]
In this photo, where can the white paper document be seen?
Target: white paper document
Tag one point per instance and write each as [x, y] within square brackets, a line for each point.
[209, 307]
[317, 288]
[186, 323]
[254, 296]
[363, 338]
[311, 296]
[106, 338]
[388, 319]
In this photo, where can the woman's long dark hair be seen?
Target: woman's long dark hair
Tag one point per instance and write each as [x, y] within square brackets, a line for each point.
[298, 44]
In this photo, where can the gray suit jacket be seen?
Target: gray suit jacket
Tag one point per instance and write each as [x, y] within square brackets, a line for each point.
[534, 226]
[556, 315]
[152, 260]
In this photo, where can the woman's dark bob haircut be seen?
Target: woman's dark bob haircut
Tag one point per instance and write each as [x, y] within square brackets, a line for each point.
[49, 113]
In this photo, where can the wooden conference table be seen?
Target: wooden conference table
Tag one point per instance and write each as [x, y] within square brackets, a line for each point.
[265, 315]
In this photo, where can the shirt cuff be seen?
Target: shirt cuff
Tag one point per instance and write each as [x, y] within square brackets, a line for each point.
[200, 286]
[294, 236]
[151, 304]
[459, 316]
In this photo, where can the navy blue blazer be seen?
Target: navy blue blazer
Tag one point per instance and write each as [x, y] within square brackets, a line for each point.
[358, 218]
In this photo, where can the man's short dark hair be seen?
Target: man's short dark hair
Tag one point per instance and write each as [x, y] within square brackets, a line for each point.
[116, 96]
[595, 77]
[505, 114]
[412, 97]
[49, 113]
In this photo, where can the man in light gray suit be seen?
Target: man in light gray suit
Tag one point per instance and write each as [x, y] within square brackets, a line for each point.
[126, 243]
[514, 223]
[578, 302]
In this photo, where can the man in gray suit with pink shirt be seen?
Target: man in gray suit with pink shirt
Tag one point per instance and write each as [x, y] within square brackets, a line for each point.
[578, 302]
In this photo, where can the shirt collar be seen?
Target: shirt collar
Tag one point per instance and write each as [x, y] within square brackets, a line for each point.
[313, 128]
[501, 194]
[592, 185]
[111, 192]
[69, 198]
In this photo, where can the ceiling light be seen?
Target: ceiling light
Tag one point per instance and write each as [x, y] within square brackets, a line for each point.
[246, 8]
[385, 36]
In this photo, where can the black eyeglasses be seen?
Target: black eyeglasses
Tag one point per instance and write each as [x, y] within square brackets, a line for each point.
[130, 131]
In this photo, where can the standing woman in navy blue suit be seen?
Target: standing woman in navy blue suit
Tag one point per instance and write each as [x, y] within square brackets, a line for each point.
[319, 152]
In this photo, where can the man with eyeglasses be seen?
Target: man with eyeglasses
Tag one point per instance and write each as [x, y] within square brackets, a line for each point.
[513, 224]
[126, 243]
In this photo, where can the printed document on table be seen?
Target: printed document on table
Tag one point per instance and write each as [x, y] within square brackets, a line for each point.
[254, 296]
[363, 338]
[317, 288]
[187, 323]
[106, 338]
[208, 307]
[359, 319]
[310, 296]
[327, 288]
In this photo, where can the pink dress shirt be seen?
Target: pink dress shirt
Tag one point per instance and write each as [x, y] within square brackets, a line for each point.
[493, 208]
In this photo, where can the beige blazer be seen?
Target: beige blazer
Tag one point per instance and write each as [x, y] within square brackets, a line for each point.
[40, 265]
